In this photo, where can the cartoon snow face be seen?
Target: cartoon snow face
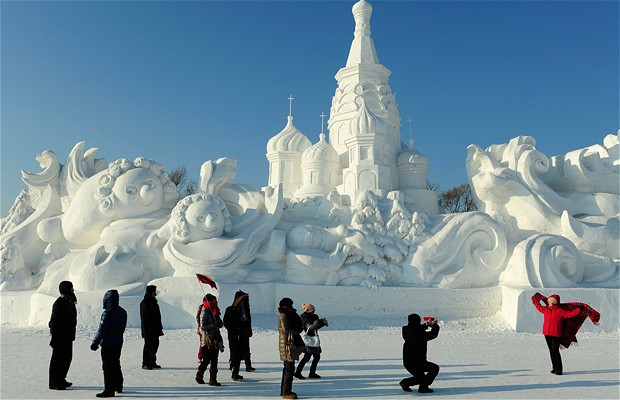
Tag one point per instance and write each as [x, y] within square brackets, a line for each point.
[199, 217]
[305, 236]
[138, 192]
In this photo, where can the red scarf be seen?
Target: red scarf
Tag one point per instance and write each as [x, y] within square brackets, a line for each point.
[213, 306]
[571, 326]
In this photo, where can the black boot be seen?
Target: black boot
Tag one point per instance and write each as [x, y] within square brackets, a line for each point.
[235, 374]
[248, 364]
[106, 393]
[213, 378]
[200, 377]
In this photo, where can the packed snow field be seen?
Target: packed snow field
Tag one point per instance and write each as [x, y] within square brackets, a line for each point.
[479, 358]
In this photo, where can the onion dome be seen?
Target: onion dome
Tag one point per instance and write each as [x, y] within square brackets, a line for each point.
[365, 121]
[412, 157]
[321, 151]
[289, 139]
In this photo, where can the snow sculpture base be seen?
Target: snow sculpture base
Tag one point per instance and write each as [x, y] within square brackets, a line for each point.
[179, 298]
[520, 314]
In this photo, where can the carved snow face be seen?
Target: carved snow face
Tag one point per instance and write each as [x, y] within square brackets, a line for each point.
[305, 236]
[138, 192]
[205, 220]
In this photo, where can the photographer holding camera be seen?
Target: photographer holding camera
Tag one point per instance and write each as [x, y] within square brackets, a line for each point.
[416, 335]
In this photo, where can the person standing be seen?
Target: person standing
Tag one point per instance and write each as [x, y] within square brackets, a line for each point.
[554, 316]
[62, 328]
[210, 340]
[110, 337]
[152, 329]
[238, 324]
[416, 336]
[311, 323]
[290, 344]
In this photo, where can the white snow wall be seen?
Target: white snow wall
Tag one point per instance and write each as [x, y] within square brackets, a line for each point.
[178, 311]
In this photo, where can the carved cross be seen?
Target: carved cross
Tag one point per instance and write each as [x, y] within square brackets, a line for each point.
[290, 105]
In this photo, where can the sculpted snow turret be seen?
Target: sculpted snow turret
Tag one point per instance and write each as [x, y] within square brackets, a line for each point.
[364, 124]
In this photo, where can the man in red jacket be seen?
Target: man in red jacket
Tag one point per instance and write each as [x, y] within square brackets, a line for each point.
[554, 316]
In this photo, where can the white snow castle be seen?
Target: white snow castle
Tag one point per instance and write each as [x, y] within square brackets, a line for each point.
[345, 218]
[365, 151]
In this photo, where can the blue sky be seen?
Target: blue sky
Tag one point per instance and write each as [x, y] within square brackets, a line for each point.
[186, 82]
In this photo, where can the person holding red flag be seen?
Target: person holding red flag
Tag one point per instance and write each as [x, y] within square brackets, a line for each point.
[211, 343]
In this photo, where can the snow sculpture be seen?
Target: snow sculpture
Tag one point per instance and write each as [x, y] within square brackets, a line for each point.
[463, 251]
[509, 183]
[203, 236]
[351, 210]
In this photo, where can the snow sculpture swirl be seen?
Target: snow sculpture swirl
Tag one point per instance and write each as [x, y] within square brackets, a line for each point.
[544, 261]
[509, 182]
[466, 250]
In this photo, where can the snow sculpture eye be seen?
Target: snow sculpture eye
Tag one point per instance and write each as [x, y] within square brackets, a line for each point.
[131, 189]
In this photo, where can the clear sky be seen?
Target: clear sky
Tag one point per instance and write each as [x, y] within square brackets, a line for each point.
[186, 82]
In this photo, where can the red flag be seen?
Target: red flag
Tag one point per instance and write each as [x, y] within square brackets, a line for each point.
[207, 280]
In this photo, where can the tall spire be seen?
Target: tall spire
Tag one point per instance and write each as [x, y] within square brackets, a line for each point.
[362, 48]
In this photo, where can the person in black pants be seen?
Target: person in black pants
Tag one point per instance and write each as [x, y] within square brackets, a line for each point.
[416, 336]
[110, 336]
[62, 328]
[290, 343]
[152, 329]
[211, 343]
[238, 324]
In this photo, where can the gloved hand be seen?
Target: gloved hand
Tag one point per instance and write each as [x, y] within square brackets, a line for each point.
[94, 347]
[324, 322]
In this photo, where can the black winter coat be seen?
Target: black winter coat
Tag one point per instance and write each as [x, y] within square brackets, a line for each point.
[416, 337]
[150, 318]
[113, 321]
[63, 321]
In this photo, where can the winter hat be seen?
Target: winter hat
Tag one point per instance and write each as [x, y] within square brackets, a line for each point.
[151, 289]
[555, 297]
[414, 319]
[286, 302]
[240, 293]
[308, 308]
[209, 297]
[65, 287]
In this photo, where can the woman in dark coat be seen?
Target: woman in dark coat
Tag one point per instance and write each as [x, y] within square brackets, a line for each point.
[152, 329]
[238, 324]
[210, 339]
[312, 323]
[416, 336]
[62, 328]
[289, 343]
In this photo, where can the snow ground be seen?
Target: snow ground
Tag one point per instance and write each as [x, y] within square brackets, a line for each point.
[479, 359]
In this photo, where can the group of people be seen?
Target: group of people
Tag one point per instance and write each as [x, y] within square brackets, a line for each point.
[298, 334]
[109, 337]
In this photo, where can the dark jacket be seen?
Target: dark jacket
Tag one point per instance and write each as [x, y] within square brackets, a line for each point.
[237, 318]
[63, 320]
[237, 321]
[209, 326]
[113, 322]
[416, 337]
[150, 317]
[289, 327]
